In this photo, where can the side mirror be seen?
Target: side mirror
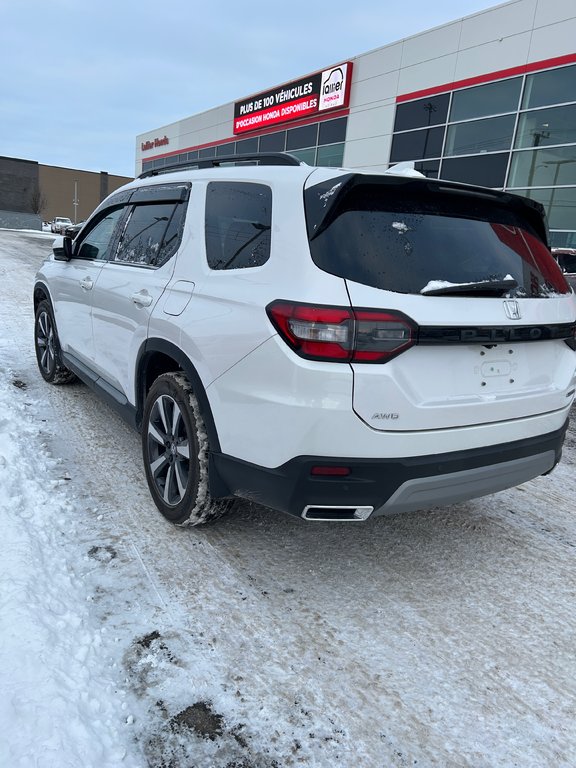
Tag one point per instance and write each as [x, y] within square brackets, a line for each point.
[62, 248]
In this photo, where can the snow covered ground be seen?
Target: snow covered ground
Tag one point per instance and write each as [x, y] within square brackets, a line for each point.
[443, 638]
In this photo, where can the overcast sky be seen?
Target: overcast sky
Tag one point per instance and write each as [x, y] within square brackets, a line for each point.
[81, 79]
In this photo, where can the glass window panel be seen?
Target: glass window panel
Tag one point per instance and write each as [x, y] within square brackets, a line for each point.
[332, 131]
[547, 126]
[554, 86]
[142, 238]
[416, 145]
[226, 149]
[543, 167]
[484, 170]
[418, 114]
[247, 146]
[238, 222]
[563, 239]
[489, 99]
[207, 152]
[430, 168]
[305, 155]
[273, 142]
[560, 205]
[379, 237]
[480, 136]
[331, 155]
[304, 136]
[193, 155]
[100, 240]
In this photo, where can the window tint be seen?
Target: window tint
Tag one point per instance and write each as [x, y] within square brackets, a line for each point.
[226, 149]
[97, 243]
[485, 170]
[543, 167]
[273, 142]
[331, 155]
[332, 131]
[415, 145]
[305, 136]
[417, 114]
[152, 234]
[238, 221]
[554, 86]
[489, 99]
[430, 168]
[247, 147]
[480, 136]
[547, 126]
[403, 236]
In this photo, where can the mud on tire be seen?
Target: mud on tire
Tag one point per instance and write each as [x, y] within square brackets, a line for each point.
[47, 347]
[175, 451]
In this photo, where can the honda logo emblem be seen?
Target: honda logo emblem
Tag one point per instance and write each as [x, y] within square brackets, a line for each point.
[512, 309]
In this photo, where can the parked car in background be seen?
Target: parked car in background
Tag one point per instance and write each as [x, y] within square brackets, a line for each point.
[59, 224]
[332, 343]
[73, 229]
[566, 258]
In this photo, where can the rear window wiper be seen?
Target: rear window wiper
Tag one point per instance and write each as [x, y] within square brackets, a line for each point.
[480, 288]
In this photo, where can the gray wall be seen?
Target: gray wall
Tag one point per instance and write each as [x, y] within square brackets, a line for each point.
[18, 184]
[17, 220]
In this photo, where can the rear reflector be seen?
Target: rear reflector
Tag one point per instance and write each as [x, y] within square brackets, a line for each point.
[331, 471]
[342, 334]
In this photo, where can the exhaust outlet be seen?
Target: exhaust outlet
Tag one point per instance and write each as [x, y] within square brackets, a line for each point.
[334, 514]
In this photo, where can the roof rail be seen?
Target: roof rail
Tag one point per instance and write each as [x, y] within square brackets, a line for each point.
[257, 158]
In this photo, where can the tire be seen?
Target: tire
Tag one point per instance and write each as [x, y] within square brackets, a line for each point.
[47, 347]
[175, 452]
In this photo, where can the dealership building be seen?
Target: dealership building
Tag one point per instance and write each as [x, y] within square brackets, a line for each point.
[488, 99]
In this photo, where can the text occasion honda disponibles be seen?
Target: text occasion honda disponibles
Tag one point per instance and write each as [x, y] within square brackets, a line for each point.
[327, 342]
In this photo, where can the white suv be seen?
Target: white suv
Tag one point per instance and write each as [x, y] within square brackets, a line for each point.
[327, 342]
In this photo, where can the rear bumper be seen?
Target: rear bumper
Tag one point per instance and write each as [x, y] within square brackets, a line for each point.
[388, 486]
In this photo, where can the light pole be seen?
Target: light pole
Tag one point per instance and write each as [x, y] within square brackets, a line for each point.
[75, 201]
[538, 136]
[557, 163]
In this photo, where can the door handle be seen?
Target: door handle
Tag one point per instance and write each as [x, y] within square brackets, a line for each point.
[87, 284]
[142, 299]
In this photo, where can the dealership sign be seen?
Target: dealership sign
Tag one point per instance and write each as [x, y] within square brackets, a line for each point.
[315, 94]
[147, 145]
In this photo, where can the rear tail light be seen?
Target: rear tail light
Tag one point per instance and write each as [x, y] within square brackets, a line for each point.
[342, 334]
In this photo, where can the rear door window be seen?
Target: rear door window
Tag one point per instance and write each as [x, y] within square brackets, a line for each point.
[413, 237]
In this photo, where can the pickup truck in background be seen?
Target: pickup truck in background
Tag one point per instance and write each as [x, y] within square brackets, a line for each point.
[59, 224]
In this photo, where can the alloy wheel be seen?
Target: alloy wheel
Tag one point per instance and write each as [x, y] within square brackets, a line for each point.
[168, 450]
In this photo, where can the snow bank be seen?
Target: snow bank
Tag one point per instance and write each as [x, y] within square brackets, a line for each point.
[59, 708]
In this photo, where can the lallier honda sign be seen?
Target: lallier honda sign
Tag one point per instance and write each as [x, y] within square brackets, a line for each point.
[312, 95]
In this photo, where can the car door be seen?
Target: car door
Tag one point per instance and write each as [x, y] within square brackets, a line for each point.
[132, 281]
[72, 287]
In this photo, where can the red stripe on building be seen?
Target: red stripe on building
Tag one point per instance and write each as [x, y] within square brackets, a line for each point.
[559, 61]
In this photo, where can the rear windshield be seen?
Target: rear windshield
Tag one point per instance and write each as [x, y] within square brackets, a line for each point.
[422, 240]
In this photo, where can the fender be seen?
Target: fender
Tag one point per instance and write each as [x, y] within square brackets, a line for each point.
[218, 487]
[152, 345]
